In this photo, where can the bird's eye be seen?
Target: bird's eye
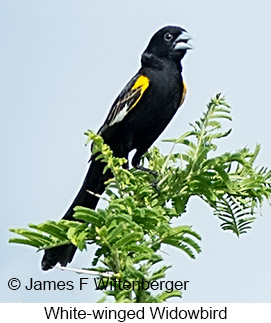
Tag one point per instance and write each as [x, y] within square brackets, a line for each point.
[168, 36]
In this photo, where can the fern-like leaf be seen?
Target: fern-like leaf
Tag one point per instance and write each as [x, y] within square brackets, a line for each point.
[235, 215]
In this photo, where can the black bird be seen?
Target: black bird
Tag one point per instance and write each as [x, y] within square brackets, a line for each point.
[137, 117]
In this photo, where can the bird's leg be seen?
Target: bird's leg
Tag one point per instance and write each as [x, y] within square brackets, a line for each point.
[136, 164]
[147, 170]
[154, 182]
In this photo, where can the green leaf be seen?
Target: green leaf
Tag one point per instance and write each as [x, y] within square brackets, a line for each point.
[130, 237]
[31, 243]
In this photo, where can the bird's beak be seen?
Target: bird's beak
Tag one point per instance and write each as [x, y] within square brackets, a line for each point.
[181, 42]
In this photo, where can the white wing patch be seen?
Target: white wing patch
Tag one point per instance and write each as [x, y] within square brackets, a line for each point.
[120, 116]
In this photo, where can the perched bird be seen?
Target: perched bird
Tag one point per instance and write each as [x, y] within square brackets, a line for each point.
[138, 116]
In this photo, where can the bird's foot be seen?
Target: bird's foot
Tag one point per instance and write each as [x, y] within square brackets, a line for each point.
[147, 170]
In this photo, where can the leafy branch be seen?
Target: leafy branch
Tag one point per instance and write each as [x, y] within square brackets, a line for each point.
[130, 231]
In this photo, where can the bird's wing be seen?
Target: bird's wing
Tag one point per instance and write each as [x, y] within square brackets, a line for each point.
[126, 101]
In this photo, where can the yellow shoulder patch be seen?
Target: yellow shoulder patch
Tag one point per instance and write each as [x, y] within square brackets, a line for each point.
[184, 93]
[140, 85]
[142, 82]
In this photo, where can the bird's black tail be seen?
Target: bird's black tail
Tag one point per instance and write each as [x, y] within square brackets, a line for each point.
[94, 181]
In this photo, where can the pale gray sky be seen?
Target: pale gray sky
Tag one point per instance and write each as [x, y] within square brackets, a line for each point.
[62, 65]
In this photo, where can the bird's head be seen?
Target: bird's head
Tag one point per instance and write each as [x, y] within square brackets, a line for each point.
[169, 42]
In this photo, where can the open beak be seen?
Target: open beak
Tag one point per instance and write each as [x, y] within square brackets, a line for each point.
[181, 42]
